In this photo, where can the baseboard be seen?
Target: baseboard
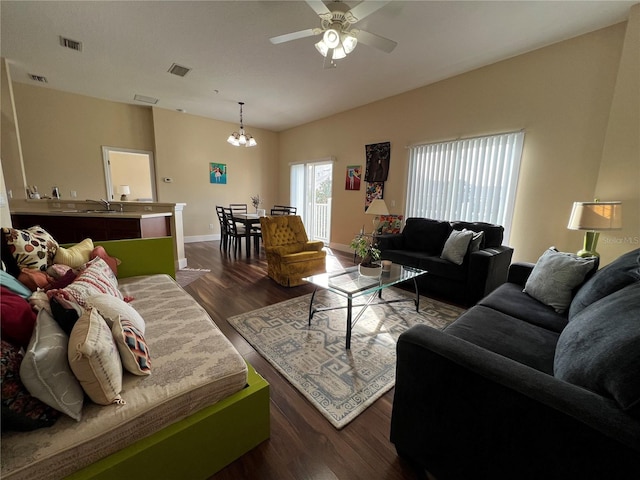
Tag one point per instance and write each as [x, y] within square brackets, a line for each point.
[202, 238]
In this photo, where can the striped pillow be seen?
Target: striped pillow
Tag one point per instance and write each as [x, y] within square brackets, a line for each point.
[97, 277]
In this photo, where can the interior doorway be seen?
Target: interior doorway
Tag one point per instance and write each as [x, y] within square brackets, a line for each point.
[131, 171]
[311, 192]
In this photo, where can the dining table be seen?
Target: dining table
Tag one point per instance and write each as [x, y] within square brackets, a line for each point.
[248, 220]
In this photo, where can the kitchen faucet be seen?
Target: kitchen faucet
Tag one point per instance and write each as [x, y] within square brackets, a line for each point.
[103, 202]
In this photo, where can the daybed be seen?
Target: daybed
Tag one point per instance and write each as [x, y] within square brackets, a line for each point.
[517, 388]
[464, 260]
[201, 407]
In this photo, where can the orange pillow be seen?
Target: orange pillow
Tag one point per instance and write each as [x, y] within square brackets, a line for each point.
[113, 262]
[34, 279]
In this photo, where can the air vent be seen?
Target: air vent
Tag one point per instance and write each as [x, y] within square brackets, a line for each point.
[142, 98]
[179, 70]
[38, 78]
[72, 44]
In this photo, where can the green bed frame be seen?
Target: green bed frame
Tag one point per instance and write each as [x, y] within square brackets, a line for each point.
[203, 443]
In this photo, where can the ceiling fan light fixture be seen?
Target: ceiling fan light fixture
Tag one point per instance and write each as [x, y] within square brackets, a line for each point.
[349, 42]
[322, 48]
[241, 138]
[331, 38]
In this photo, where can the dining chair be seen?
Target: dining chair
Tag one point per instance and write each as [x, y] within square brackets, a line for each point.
[224, 236]
[237, 232]
[283, 210]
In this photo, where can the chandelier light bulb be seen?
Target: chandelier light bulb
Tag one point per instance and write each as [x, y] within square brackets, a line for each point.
[241, 138]
[331, 38]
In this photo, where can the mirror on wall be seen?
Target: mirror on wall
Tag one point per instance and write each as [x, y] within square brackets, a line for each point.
[129, 174]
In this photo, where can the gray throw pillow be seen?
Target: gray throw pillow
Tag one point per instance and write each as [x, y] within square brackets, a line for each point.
[455, 248]
[554, 277]
[600, 348]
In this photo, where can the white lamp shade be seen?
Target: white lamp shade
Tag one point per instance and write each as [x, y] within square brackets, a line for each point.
[377, 207]
[596, 216]
[124, 190]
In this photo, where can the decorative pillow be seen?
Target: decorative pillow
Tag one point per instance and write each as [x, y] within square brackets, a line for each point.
[97, 277]
[95, 360]
[600, 348]
[16, 317]
[34, 279]
[32, 248]
[58, 270]
[20, 411]
[456, 246]
[476, 241]
[65, 311]
[45, 369]
[618, 274]
[75, 256]
[12, 283]
[554, 277]
[390, 223]
[64, 281]
[111, 307]
[113, 262]
[132, 346]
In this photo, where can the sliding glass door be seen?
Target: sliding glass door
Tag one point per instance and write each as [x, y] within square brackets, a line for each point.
[311, 184]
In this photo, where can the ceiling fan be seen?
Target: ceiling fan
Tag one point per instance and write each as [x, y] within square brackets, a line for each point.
[338, 37]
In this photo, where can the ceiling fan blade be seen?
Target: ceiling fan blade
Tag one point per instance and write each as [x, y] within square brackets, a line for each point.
[319, 7]
[287, 37]
[364, 9]
[375, 41]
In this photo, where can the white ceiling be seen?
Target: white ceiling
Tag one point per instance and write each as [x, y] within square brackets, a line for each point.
[129, 46]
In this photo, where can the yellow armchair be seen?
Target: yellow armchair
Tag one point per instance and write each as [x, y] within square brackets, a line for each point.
[290, 254]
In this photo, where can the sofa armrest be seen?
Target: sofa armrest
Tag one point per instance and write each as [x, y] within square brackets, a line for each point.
[487, 270]
[519, 272]
[462, 411]
[390, 241]
[313, 246]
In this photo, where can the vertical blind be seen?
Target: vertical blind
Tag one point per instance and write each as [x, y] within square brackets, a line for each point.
[472, 179]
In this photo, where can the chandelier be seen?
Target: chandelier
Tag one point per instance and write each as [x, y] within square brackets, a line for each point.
[241, 138]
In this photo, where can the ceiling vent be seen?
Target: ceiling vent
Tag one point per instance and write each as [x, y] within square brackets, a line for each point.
[142, 98]
[179, 70]
[72, 44]
[38, 78]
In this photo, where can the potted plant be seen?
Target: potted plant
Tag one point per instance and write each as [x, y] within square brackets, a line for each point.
[369, 253]
[256, 201]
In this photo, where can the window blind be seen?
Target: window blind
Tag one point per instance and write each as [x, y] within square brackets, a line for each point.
[472, 179]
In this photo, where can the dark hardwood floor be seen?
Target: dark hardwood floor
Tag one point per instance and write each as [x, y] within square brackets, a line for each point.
[303, 444]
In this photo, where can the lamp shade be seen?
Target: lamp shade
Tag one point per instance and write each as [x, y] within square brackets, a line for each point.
[124, 190]
[596, 216]
[377, 207]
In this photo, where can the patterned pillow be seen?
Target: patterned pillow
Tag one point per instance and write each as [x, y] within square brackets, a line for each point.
[94, 359]
[390, 223]
[20, 411]
[132, 346]
[97, 277]
[32, 248]
[75, 256]
[45, 369]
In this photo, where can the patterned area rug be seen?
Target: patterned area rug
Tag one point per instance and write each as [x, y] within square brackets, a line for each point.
[187, 275]
[340, 383]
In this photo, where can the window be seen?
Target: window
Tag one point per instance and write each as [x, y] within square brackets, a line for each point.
[472, 180]
[311, 185]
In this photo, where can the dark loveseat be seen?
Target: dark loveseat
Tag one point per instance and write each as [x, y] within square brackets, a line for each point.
[484, 263]
[513, 389]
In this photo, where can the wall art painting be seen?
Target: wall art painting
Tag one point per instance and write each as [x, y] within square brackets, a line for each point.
[378, 156]
[354, 173]
[374, 190]
[218, 173]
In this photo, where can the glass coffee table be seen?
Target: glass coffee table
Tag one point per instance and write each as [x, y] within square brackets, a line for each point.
[350, 285]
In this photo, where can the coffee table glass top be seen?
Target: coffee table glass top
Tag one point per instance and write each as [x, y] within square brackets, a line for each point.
[349, 283]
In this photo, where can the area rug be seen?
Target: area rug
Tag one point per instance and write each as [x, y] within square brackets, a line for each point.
[340, 383]
[185, 276]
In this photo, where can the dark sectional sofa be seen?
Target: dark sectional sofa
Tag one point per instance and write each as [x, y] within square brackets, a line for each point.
[484, 265]
[515, 389]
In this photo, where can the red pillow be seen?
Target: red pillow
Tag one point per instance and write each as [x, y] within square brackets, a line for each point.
[18, 319]
[113, 262]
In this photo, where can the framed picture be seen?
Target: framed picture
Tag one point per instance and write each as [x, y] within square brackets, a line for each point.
[374, 190]
[352, 181]
[218, 173]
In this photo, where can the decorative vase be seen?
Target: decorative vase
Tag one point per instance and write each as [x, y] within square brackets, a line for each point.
[374, 271]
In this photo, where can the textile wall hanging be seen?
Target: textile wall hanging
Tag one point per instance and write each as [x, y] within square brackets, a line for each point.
[378, 156]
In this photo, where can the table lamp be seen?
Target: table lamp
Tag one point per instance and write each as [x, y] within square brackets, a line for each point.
[124, 191]
[377, 208]
[594, 217]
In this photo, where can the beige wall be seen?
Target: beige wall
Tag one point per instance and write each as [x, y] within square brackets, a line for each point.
[560, 95]
[574, 99]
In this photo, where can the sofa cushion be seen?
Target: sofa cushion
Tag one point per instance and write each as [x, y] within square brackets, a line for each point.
[555, 276]
[438, 267]
[600, 348]
[45, 369]
[507, 336]
[425, 235]
[493, 234]
[456, 246]
[508, 298]
[618, 274]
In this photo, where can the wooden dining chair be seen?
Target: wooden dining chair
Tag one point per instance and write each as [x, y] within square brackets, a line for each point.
[283, 210]
[224, 236]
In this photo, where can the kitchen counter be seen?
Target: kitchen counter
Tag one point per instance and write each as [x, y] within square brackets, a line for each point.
[94, 213]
